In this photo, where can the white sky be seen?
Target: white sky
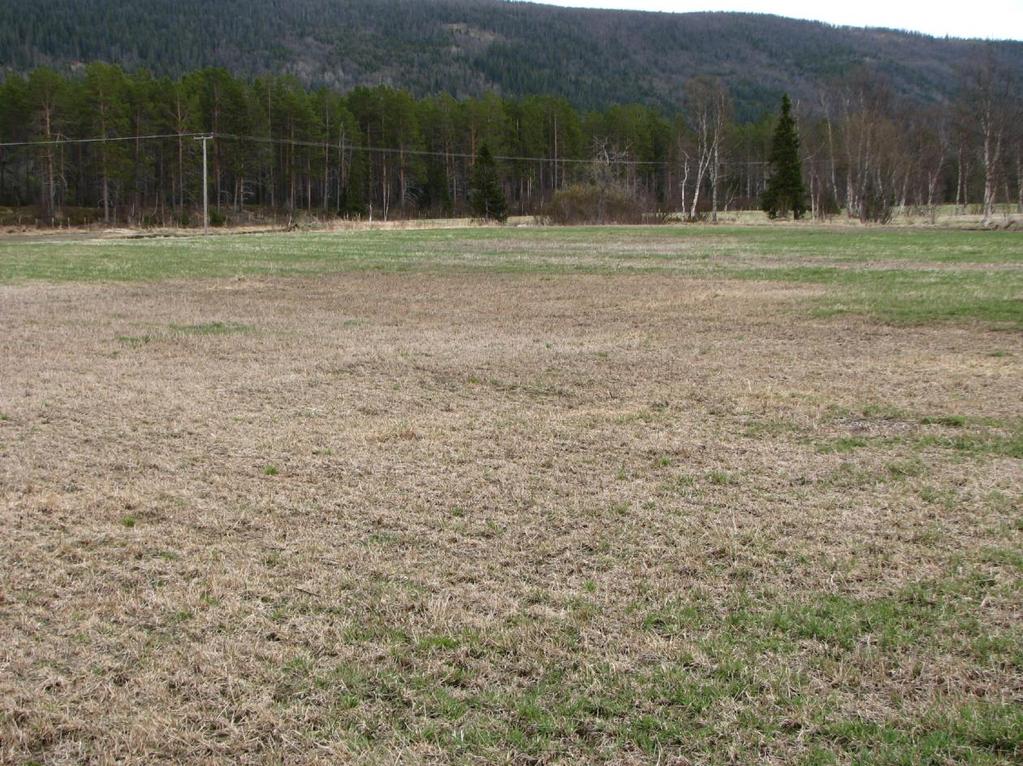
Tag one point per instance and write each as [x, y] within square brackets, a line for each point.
[999, 19]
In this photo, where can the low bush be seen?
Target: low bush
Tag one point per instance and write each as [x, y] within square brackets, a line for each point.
[588, 203]
[217, 217]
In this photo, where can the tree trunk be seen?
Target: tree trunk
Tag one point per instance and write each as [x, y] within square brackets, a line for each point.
[51, 181]
[1019, 178]
[714, 179]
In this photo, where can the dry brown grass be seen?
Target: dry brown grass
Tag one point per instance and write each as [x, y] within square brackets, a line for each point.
[375, 517]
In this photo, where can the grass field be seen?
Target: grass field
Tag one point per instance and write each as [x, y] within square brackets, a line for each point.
[667, 495]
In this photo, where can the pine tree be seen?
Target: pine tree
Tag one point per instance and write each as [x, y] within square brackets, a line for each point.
[785, 192]
[486, 195]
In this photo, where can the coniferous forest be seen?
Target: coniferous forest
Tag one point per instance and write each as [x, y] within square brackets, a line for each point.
[469, 48]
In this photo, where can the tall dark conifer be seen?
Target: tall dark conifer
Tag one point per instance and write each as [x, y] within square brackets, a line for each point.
[486, 195]
[785, 192]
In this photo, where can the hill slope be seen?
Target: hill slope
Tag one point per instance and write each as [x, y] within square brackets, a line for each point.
[468, 46]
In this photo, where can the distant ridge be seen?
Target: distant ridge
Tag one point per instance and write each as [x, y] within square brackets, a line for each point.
[465, 47]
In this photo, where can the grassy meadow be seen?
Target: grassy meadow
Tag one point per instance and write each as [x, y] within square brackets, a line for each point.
[666, 495]
[896, 275]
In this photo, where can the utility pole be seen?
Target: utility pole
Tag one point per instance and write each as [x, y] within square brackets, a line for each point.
[205, 186]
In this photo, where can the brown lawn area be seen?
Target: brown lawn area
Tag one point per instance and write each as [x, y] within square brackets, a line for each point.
[522, 518]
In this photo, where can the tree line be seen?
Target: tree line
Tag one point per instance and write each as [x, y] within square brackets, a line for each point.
[282, 149]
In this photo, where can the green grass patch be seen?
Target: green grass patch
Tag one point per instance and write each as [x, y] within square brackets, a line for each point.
[905, 469]
[211, 328]
[949, 421]
[758, 661]
[895, 275]
[843, 444]
[980, 733]
[997, 443]
[721, 478]
[134, 341]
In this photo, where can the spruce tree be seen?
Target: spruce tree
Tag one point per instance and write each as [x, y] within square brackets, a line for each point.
[785, 192]
[485, 193]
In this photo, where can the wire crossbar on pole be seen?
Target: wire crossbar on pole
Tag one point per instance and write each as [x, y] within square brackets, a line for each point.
[100, 140]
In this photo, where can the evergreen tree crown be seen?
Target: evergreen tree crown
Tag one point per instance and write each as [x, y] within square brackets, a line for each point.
[785, 191]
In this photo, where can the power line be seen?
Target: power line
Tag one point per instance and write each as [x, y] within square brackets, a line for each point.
[100, 140]
[425, 153]
[464, 155]
[359, 148]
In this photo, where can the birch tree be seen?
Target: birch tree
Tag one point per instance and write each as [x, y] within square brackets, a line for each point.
[989, 98]
[708, 106]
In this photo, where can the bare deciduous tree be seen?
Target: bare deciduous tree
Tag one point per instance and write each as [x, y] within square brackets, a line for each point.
[709, 109]
[875, 164]
[989, 99]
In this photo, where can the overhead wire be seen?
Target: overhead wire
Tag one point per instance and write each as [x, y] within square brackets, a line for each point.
[100, 139]
[400, 151]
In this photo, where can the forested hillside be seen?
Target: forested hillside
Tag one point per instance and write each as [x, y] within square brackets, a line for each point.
[469, 47]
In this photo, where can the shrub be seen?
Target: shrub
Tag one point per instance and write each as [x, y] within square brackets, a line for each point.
[217, 217]
[588, 203]
[876, 206]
